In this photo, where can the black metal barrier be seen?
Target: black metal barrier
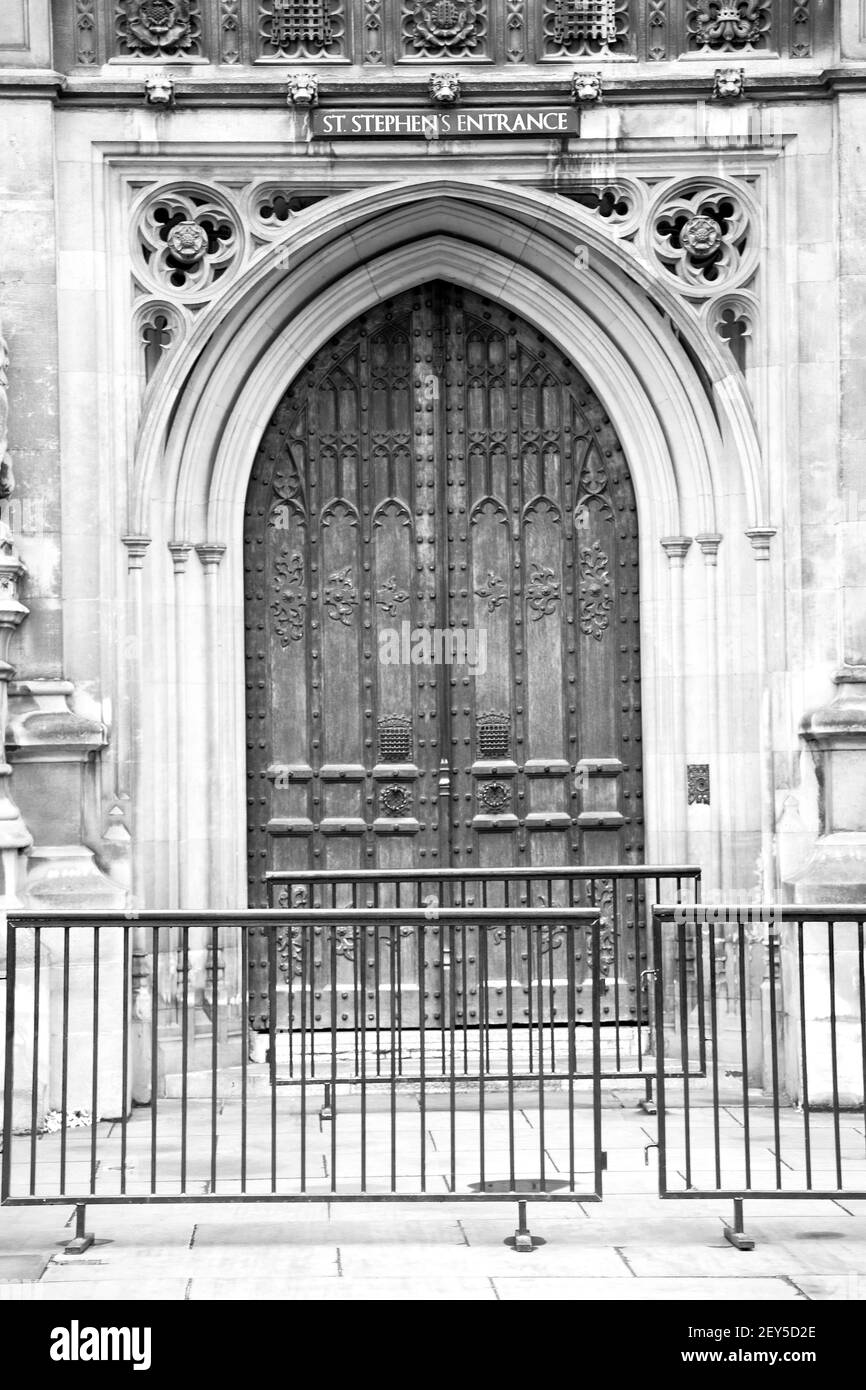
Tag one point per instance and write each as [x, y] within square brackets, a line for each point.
[623, 893]
[781, 1111]
[384, 1015]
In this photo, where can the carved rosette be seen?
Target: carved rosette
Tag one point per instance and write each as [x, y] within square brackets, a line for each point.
[158, 28]
[445, 28]
[187, 239]
[542, 591]
[341, 596]
[702, 235]
[494, 590]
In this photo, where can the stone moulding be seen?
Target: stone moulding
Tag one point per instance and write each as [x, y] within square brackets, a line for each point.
[241, 351]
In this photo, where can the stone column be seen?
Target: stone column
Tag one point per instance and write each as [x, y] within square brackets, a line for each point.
[210, 555]
[760, 538]
[676, 840]
[713, 863]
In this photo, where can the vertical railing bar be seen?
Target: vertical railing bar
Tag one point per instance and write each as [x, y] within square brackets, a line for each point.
[9, 1061]
[638, 977]
[540, 936]
[452, 1077]
[34, 1094]
[378, 988]
[702, 1061]
[509, 1046]
[614, 897]
[465, 984]
[834, 1058]
[530, 1003]
[392, 948]
[657, 948]
[551, 991]
[774, 1057]
[483, 1050]
[272, 1039]
[94, 1077]
[307, 1032]
[714, 1029]
[683, 976]
[308, 893]
[64, 1077]
[807, 1132]
[245, 1025]
[571, 1018]
[421, 954]
[332, 928]
[124, 1063]
[184, 1054]
[214, 1052]
[596, 1049]
[361, 931]
[154, 1049]
[357, 968]
[398, 967]
[744, 1049]
[861, 970]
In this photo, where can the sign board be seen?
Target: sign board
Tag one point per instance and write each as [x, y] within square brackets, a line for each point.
[465, 124]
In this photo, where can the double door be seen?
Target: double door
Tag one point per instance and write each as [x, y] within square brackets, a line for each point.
[441, 559]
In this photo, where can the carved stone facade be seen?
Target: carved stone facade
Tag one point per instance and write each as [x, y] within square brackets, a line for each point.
[693, 251]
[434, 31]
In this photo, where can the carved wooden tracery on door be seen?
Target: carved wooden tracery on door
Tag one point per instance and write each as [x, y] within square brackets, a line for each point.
[439, 474]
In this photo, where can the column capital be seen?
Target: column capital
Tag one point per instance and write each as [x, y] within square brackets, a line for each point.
[676, 548]
[210, 553]
[709, 542]
[179, 554]
[136, 548]
[760, 537]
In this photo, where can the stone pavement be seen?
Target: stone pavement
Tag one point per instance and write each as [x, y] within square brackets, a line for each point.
[632, 1246]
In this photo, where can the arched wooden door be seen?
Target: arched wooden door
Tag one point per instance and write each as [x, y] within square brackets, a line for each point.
[439, 482]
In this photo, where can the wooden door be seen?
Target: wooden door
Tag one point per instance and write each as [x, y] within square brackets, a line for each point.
[439, 482]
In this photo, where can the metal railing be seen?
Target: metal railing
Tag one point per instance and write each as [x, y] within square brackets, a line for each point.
[624, 895]
[390, 1107]
[781, 1112]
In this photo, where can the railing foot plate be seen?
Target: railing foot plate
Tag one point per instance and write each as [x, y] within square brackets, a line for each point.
[739, 1239]
[79, 1244]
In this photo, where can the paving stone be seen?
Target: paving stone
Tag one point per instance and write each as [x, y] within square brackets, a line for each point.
[492, 1259]
[128, 1288]
[832, 1286]
[720, 1258]
[229, 1262]
[387, 1290]
[26, 1266]
[333, 1231]
[643, 1290]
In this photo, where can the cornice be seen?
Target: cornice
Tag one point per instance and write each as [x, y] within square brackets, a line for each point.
[212, 87]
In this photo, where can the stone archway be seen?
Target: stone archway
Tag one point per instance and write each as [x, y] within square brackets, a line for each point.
[689, 440]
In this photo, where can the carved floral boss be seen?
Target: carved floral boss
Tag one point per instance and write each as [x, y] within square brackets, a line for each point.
[159, 23]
